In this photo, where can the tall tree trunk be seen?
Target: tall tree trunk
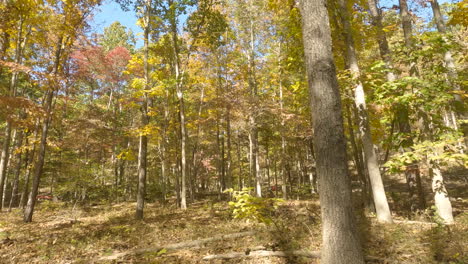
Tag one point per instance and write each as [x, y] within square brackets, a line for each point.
[378, 190]
[180, 97]
[143, 144]
[29, 210]
[412, 172]
[283, 161]
[341, 243]
[253, 113]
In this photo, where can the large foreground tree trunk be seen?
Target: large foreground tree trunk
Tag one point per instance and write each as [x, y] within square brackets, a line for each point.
[341, 243]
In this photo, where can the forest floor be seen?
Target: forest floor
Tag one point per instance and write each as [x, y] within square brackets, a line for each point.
[99, 233]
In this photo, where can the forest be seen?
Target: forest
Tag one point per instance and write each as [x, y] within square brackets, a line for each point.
[234, 131]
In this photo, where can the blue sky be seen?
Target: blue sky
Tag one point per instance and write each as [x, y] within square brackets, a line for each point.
[111, 11]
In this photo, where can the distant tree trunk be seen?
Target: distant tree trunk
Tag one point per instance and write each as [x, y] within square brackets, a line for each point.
[251, 160]
[29, 165]
[239, 160]
[253, 133]
[283, 161]
[451, 73]
[4, 160]
[412, 172]
[378, 190]
[381, 38]
[5, 155]
[341, 242]
[229, 149]
[143, 144]
[183, 130]
[358, 163]
[267, 163]
[406, 23]
[17, 171]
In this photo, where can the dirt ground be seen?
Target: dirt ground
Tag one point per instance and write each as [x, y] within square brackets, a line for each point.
[89, 234]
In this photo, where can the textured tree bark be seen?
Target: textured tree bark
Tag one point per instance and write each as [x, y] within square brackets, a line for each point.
[441, 198]
[378, 190]
[341, 243]
[406, 23]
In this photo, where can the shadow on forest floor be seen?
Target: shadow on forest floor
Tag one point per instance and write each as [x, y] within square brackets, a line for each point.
[60, 234]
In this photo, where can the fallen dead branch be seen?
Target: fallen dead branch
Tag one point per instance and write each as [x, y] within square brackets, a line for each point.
[414, 222]
[265, 253]
[178, 246]
[284, 254]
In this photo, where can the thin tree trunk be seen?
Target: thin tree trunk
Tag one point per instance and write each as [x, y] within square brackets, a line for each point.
[14, 191]
[412, 172]
[29, 166]
[341, 243]
[378, 190]
[4, 160]
[5, 155]
[29, 210]
[229, 148]
[254, 96]
[239, 160]
[143, 144]
[449, 62]
[283, 161]
[180, 97]
[381, 39]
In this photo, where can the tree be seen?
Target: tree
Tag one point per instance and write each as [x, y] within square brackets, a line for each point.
[66, 31]
[117, 35]
[341, 242]
[380, 199]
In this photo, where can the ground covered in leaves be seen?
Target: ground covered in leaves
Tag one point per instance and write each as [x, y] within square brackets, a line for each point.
[94, 234]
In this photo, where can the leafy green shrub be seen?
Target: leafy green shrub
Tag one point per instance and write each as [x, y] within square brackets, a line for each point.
[246, 206]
